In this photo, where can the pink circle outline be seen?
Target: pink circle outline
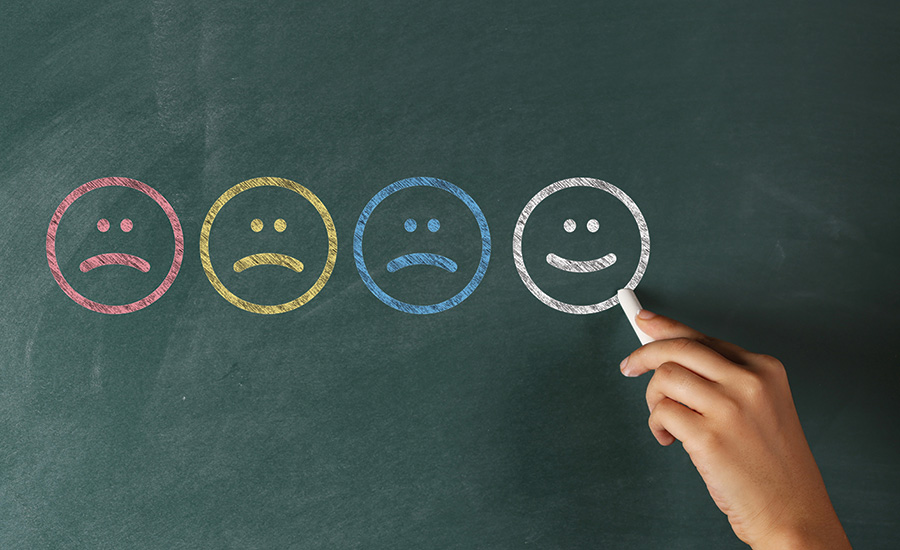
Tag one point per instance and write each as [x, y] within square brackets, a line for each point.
[115, 182]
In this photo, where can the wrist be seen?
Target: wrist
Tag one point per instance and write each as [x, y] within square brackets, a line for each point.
[811, 533]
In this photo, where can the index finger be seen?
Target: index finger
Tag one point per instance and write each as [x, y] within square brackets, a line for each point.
[664, 328]
[686, 352]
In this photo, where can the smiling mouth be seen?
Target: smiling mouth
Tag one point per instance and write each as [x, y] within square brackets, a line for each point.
[116, 258]
[422, 258]
[268, 258]
[585, 266]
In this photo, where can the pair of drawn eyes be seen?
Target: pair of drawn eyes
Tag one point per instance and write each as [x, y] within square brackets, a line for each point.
[570, 225]
[257, 225]
[410, 225]
[125, 225]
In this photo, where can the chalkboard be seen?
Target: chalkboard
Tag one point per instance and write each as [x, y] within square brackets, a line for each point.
[405, 404]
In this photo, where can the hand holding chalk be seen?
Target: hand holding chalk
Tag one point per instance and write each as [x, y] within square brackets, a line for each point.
[732, 410]
[632, 306]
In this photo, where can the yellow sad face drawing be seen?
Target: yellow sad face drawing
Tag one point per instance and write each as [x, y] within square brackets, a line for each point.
[268, 245]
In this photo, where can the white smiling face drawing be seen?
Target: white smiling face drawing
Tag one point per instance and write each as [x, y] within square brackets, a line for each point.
[581, 266]
[597, 264]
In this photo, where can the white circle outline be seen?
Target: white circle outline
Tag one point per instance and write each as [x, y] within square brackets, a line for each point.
[567, 184]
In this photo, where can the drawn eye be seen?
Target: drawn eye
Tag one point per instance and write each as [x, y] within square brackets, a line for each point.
[280, 225]
[593, 225]
[433, 225]
[410, 225]
[103, 225]
[256, 225]
[569, 225]
[126, 225]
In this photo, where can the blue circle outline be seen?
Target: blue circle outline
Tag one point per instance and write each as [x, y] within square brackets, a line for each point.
[437, 184]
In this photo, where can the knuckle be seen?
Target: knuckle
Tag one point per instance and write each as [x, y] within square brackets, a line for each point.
[730, 410]
[656, 413]
[752, 389]
[653, 385]
[665, 371]
[651, 399]
[653, 422]
[682, 344]
[755, 393]
[708, 341]
[769, 363]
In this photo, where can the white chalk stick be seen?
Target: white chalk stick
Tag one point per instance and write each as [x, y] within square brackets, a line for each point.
[632, 306]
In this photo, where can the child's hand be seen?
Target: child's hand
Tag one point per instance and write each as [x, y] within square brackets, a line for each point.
[732, 410]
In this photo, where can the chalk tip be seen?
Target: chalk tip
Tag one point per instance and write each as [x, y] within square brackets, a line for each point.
[632, 308]
[625, 294]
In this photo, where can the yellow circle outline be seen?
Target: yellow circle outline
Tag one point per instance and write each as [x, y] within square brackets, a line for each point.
[268, 182]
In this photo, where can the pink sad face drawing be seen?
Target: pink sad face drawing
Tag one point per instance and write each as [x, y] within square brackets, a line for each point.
[114, 245]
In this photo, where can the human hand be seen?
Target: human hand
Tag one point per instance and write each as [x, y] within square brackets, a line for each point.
[733, 412]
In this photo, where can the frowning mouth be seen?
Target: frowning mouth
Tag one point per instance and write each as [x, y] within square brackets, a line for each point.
[578, 266]
[115, 258]
[422, 258]
[268, 258]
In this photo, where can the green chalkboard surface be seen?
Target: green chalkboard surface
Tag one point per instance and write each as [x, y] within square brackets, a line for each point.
[195, 397]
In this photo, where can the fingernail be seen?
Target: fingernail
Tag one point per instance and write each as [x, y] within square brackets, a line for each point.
[623, 366]
[646, 314]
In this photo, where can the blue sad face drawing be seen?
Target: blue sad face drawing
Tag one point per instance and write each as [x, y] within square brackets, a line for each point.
[428, 248]
[422, 258]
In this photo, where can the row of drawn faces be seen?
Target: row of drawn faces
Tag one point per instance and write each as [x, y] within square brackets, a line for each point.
[279, 259]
